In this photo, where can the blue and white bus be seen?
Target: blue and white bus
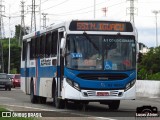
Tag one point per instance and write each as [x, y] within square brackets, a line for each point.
[81, 61]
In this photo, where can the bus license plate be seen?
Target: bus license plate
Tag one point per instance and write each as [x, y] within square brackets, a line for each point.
[102, 93]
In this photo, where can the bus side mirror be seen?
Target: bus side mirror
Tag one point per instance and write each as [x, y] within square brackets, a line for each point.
[62, 45]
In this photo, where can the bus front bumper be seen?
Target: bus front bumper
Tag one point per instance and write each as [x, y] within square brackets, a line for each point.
[69, 92]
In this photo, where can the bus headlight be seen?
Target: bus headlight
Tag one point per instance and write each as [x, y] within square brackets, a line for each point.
[73, 84]
[130, 84]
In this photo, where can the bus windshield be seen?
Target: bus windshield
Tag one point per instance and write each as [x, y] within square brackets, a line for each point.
[100, 52]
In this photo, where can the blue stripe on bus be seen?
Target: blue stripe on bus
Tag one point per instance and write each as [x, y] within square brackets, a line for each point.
[96, 84]
[42, 72]
[49, 72]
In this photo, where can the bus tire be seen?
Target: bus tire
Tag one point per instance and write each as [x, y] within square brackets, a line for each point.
[9, 88]
[42, 100]
[5, 88]
[33, 98]
[58, 103]
[114, 105]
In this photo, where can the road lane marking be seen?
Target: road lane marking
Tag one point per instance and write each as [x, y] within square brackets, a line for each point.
[104, 118]
[89, 116]
[30, 107]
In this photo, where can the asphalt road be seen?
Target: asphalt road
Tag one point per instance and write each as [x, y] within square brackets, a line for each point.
[16, 100]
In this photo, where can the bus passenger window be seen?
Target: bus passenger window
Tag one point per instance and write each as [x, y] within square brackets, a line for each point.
[54, 43]
[37, 46]
[32, 49]
[42, 46]
[48, 45]
[24, 54]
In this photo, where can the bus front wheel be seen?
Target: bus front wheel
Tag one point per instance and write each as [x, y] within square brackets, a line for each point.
[58, 103]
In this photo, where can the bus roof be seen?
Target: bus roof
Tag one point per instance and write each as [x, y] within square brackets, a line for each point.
[67, 23]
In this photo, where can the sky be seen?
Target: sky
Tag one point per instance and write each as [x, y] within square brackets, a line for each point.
[61, 10]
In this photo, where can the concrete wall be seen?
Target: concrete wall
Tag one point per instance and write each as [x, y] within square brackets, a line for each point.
[148, 88]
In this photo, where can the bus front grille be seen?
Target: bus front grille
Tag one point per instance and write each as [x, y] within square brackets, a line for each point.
[112, 76]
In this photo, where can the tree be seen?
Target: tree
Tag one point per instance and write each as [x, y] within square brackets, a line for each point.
[17, 31]
[140, 56]
[149, 64]
[15, 55]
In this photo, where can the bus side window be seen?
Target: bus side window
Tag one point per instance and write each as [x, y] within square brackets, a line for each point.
[32, 48]
[24, 54]
[54, 43]
[42, 46]
[48, 45]
[37, 46]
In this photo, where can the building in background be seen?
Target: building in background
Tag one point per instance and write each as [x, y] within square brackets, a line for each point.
[143, 48]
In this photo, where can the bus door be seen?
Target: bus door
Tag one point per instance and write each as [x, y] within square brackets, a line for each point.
[60, 61]
[27, 65]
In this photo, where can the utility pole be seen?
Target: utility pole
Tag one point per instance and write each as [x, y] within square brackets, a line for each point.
[22, 27]
[105, 10]
[132, 10]
[2, 10]
[156, 12]
[44, 20]
[33, 16]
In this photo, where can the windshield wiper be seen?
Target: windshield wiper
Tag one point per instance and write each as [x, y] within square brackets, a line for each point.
[89, 39]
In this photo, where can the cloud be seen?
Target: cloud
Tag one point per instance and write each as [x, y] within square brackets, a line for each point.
[147, 36]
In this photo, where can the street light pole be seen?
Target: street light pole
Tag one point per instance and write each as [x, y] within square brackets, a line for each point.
[94, 9]
[156, 12]
[9, 47]
[9, 43]
[40, 15]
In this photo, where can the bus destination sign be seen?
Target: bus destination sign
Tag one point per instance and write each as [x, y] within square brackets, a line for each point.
[101, 26]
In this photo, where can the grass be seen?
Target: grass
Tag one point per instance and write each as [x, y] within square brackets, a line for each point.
[12, 118]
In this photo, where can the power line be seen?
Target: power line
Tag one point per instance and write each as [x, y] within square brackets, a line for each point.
[44, 1]
[55, 5]
[70, 13]
[81, 8]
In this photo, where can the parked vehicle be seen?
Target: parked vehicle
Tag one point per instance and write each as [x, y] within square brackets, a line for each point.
[5, 82]
[15, 79]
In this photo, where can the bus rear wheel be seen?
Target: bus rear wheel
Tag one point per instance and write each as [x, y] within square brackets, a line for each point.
[33, 98]
[42, 100]
[114, 105]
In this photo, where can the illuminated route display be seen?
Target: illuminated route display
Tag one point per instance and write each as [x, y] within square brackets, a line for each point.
[101, 26]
